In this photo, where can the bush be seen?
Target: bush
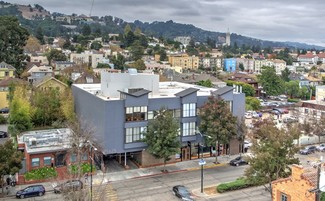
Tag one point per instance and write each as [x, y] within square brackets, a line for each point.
[293, 100]
[3, 120]
[85, 167]
[41, 173]
[240, 183]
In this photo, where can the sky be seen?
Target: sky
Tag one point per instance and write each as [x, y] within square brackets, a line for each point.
[276, 20]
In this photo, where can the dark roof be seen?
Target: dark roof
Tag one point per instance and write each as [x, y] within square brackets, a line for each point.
[63, 62]
[5, 65]
[137, 93]
[7, 82]
[187, 92]
[223, 90]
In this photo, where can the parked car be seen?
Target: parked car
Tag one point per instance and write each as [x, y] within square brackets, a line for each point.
[31, 191]
[182, 192]
[238, 161]
[72, 185]
[3, 134]
[308, 150]
[321, 147]
[247, 144]
[4, 110]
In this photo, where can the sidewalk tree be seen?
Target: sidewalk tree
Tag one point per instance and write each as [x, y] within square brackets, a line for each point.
[10, 160]
[241, 132]
[273, 154]
[13, 39]
[252, 103]
[218, 122]
[272, 84]
[292, 88]
[161, 135]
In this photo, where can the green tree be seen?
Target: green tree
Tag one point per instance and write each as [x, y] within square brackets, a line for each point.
[217, 121]
[138, 64]
[118, 61]
[55, 55]
[86, 30]
[163, 55]
[247, 88]
[252, 103]
[304, 93]
[12, 41]
[96, 45]
[274, 153]
[241, 66]
[285, 75]
[40, 35]
[136, 50]
[292, 88]
[272, 84]
[10, 160]
[205, 83]
[161, 135]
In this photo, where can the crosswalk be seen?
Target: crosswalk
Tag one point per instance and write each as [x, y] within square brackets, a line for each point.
[104, 192]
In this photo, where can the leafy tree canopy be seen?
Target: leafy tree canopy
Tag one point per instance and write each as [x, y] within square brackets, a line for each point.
[247, 88]
[205, 83]
[272, 84]
[252, 103]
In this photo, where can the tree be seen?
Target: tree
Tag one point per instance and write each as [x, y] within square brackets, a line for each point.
[161, 135]
[10, 160]
[241, 66]
[247, 88]
[138, 64]
[86, 30]
[32, 45]
[285, 75]
[217, 121]
[136, 50]
[96, 45]
[292, 88]
[118, 61]
[55, 55]
[40, 35]
[273, 154]
[241, 132]
[252, 103]
[205, 83]
[13, 39]
[163, 55]
[272, 84]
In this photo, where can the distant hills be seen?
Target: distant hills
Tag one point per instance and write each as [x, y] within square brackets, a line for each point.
[110, 24]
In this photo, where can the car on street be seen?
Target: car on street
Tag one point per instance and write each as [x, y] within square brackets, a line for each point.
[3, 134]
[247, 144]
[31, 191]
[182, 192]
[321, 147]
[4, 110]
[308, 150]
[238, 161]
[72, 185]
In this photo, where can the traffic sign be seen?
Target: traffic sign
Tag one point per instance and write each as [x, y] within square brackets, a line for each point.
[202, 162]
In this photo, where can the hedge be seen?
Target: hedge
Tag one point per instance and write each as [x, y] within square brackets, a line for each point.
[41, 173]
[85, 167]
[293, 100]
[3, 120]
[240, 183]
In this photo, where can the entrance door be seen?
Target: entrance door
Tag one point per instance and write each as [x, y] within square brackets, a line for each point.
[185, 153]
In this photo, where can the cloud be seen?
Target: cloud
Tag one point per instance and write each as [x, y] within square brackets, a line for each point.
[280, 20]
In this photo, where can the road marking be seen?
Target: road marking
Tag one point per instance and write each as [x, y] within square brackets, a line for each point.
[156, 187]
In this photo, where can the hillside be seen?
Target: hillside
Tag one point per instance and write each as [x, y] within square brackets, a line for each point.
[33, 17]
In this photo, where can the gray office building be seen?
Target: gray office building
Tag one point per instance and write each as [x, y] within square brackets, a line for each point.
[121, 105]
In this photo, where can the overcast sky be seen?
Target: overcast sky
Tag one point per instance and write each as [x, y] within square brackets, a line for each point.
[278, 20]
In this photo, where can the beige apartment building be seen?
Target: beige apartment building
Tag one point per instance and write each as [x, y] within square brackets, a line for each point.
[184, 61]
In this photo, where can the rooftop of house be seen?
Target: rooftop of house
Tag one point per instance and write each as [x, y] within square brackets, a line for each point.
[4, 65]
[42, 141]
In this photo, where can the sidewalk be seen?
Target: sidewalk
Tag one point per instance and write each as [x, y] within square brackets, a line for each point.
[171, 168]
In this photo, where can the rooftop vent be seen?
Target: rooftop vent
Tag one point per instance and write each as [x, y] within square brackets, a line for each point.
[132, 71]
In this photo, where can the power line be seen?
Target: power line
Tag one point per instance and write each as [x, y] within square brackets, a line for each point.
[91, 8]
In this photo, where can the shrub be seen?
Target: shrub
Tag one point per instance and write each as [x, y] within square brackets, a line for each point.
[293, 100]
[3, 120]
[41, 173]
[234, 185]
[85, 167]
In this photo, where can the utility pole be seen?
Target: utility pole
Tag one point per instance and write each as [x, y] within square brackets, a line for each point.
[318, 192]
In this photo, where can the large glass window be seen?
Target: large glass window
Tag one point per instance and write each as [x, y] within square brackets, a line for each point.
[47, 160]
[73, 158]
[84, 156]
[134, 134]
[35, 162]
[189, 110]
[189, 128]
[136, 113]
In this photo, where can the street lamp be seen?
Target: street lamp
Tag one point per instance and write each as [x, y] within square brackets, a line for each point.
[91, 168]
[202, 161]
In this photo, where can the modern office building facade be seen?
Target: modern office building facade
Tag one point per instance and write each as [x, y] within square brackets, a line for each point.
[119, 109]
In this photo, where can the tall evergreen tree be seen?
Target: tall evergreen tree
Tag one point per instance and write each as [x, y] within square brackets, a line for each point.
[40, 35]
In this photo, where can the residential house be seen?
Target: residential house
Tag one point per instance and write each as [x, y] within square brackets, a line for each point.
[61, 65]
[308, 58]
[47, 148]
[212, 63]
[314, 81]
[87, 78]
[185, 40]
[39, 58]
[245, 78]
[230, 64]
[321, 57]
[300, 185]
[279, 65]
[38, 73]
[49, 82]
[6, 70]
[90, 58]
[303, 82]
[320, 93]
[121, 105]
[258, 65]
[248, 64]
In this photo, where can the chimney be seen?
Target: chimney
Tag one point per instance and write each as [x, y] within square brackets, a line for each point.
[296, 171]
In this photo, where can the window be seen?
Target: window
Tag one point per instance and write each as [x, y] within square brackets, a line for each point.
[134, 134]
[150, 114]
[189, 110]
[177, 113]
[84, 157]
[284, 197]
[136, 113]
[35, 162]
[73, 158]
[47, 160]
[189, 128]
[306, 111]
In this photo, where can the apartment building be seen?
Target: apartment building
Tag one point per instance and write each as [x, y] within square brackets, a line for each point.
[211, 62]
[184, 61]
[120, 107]
[230, 64]
[90, 58]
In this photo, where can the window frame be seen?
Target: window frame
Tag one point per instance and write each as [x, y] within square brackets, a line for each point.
[37, 162]
[47, 158]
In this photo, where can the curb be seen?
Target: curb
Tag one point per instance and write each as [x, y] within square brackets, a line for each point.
[207, 166]
[160, 173]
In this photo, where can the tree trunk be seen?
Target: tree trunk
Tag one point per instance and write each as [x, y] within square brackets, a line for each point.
[217, 151]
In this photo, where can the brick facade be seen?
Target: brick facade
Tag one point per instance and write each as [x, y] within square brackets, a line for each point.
[295, 188]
